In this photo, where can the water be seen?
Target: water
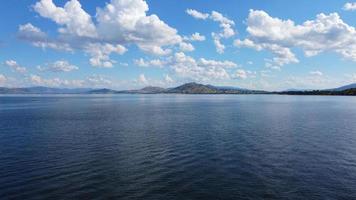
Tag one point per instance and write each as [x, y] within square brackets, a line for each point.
[177, 147]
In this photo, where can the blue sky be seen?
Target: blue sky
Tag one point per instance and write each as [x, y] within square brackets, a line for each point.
[124, 44]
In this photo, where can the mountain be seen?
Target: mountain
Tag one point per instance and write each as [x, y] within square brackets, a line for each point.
[194, 88]
[346, 87]
[145, 90]
[188, 88]
[102, 91]
[152, 90]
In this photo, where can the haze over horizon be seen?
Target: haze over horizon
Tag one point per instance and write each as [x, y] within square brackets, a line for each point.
[130, 44]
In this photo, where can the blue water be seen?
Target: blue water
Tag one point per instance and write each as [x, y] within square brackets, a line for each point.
[177, 147]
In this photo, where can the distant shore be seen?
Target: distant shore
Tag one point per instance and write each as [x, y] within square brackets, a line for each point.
[188, 88]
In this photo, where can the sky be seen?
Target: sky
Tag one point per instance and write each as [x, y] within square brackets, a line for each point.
[128, 44]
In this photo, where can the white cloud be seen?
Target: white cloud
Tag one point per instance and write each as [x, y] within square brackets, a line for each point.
[168, 79]
[127, 21]
[54, 82]
[141, 62]
[186, 46]
[38, 38]
[325, 33]
[58, 66]
[142, 80]
[149, 63]
[201, 70]
[218, 17]
[243, 74]
[308, 82]
[72, 17]
[350, 6]
[226, 32]
[195, 37]
[240, 74]
[15, 66]
[32, 32]
[93, 81]
[118, 24]
[316, 73]
[100, 53]
[282, 55]
[353, 78]
[211, 63]
[220, 48]
[196, 14]
[124, 64]
[98, 81]
[265, 73]
[3, 79]
[225, 24]
[35, 79]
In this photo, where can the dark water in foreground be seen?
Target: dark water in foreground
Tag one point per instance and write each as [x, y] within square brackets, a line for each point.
[177, 147]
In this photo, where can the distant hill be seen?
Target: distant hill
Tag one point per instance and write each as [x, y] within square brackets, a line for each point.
[347, 92]
[102, 91]
[346, 87]
[42, 90]
[194, 88]
[145, 90]
[188, 88]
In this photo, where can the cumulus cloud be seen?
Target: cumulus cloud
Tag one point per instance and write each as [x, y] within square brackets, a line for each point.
[316, 73]
[225, 24]
[220, 48]
[326, 33]
[127, 20]
[352, 78]
[30, 32]
[308, 82]
[195, 37]
[199, 70]
[73, 19]
[282, 55]
[142, 80]
[188, 67]
[54, 82]
[116, 25]
[149, 63]
[350, 6]
[58, 66]
[196, 14]
[168, 79]
[94, 81]
[244, 74]
[213, 63]
[15, 66]
[240, 74]
[3, 79]
[100, 53]
[38, 38]
[98, 81]
[186, 46]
